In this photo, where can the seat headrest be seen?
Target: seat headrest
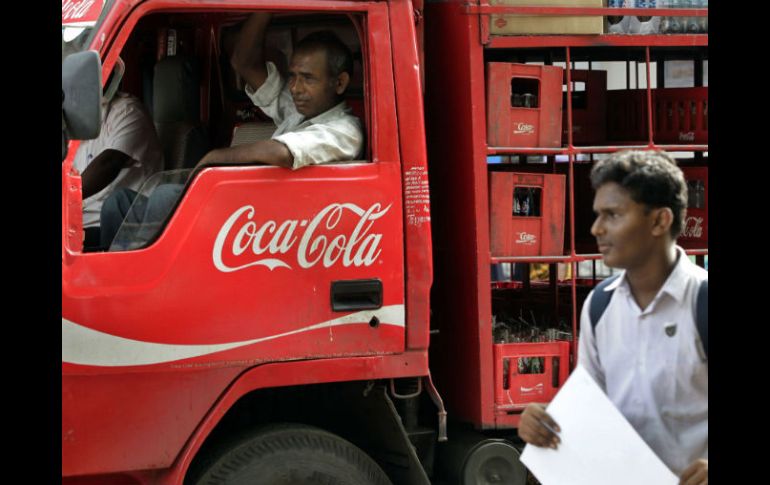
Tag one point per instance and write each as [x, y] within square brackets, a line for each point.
[176, 90]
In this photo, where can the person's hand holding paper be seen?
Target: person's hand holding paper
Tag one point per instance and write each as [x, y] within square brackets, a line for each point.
[597, 445]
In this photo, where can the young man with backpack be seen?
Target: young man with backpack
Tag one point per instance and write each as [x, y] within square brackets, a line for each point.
[644, 333]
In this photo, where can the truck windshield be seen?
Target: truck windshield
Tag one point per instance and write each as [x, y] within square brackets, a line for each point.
[80, 20]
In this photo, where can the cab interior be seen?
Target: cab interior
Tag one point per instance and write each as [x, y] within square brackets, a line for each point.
[178, 64]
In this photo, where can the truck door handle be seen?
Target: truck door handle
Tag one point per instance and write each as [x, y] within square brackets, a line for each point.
[356, 295]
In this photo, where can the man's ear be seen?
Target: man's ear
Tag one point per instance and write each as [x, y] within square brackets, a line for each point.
[663, 217]
[342, 83]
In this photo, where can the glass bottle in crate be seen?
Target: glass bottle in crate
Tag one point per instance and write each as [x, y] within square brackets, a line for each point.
[615, 21]
[703, 22]
[648, 25]
[692, 25]
[664, 21]
[674, 24]
[645, 4]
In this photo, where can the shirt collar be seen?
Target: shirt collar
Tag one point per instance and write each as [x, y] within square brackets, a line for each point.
[675, 284]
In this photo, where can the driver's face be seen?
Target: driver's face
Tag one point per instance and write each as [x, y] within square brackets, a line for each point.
[311, 87]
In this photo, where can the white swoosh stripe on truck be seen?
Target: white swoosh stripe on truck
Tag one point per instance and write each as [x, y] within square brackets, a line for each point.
[85, 346]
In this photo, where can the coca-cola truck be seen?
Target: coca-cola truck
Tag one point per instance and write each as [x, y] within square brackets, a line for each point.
[342, 323]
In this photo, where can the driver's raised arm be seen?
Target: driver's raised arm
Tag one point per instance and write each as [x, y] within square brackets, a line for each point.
[248, 57]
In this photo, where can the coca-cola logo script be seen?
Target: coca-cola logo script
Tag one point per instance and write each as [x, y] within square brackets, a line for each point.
[687, 136]
[526, 238]
[77, 9]
[522, 128]
[308, 242]
[693, 227]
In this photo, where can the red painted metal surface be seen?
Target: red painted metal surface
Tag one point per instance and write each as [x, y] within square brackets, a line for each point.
[589, 108]
[510, 125]
[650, 131]
[583, 11]
[605, 40]
[134, 421]
[594, 149]
[461, 353]
[514, 389]
[72, 206]
[417, 200]
[539, 234]
[695, 233]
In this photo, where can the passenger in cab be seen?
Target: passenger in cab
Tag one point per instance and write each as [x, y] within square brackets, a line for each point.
[126, 152]
[314, 123]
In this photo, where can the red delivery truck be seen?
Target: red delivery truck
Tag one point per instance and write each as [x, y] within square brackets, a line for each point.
[368, 322]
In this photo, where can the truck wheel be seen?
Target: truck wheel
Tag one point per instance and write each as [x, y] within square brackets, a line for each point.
[294, 455]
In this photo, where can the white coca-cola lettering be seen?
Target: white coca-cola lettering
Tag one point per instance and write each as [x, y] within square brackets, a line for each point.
[538, 389]
[526, 238]
[359, 248]
[693, 227]
[524, 128]
[73, 9]
[687, 136]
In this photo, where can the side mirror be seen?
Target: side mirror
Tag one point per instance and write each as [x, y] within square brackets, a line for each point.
[81, 80]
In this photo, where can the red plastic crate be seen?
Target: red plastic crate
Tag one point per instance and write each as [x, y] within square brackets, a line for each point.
[536, 126]
[680, 115]
[627, 115]
[696, 225]
[589, 108]
[540, 234]
[516, 390]
[585, 243]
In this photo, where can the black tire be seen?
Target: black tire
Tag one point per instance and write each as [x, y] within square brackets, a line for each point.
[293, 454]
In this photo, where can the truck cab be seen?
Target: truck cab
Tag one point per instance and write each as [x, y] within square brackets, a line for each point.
[258, 271]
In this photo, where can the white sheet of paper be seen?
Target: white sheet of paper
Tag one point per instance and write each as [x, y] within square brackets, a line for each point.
[598, 446]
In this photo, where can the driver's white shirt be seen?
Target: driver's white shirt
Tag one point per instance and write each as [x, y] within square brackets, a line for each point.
[334, 135]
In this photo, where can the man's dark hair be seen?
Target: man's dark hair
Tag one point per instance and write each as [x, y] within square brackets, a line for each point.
[338, 56]
[651, 178]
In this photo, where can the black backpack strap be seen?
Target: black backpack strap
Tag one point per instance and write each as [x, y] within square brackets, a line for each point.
[702, 314]
[600, 300]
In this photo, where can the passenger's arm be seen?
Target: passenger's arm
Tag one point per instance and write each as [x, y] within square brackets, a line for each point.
[103, 170]
[270, 152]
[248, 57]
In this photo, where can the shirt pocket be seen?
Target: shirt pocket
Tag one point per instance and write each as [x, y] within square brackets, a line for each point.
[687, 383]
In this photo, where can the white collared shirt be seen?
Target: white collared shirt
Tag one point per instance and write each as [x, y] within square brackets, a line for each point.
[658, 379]
[334, 135]
[128, 128]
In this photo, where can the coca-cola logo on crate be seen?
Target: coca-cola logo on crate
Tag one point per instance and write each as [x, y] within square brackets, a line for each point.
[308, 242]
[687, 136]
[523, 128]
[526, 238]
[693, 227]
[537, 389]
